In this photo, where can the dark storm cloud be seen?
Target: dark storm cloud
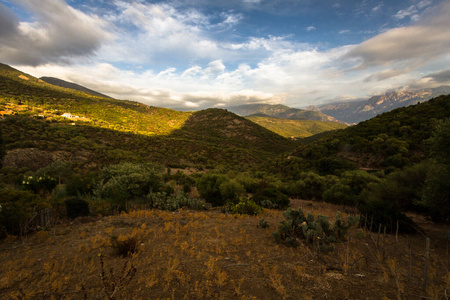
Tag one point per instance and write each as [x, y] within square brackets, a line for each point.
[440, 77]
[59, 34]
[8, 23]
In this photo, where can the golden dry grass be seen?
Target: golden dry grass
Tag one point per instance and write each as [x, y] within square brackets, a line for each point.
[211, 255]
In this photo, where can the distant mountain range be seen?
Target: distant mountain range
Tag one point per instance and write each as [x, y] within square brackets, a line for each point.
[357, 111]
[280, 111]
[71, 85]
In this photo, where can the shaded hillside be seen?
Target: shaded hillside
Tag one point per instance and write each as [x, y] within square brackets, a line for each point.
[295, 128]
[357, 111]
[280, 111]
[71, 85]
[227, 129]
[32, 96]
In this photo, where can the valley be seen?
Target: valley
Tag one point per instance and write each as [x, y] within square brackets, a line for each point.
[113, 199]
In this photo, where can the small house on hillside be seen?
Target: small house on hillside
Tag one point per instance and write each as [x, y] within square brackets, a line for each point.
[69, 116]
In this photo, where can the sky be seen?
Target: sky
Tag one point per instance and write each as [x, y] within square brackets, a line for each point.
[196, 54]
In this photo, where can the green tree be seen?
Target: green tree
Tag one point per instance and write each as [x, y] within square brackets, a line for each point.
[436, 194]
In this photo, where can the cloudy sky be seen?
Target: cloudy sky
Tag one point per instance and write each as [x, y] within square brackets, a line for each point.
[193, 54]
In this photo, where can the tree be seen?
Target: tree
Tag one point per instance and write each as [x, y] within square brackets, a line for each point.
[436, 193]
[209, 188]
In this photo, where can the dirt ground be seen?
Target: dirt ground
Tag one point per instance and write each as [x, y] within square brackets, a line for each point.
[213, 255]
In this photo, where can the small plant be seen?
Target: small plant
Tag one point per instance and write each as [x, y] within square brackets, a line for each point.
[315, 231]
[124, 245]
[112, 283]
[246, 207]
[263, 223]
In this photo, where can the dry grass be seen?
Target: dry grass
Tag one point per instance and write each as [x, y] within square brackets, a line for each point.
[211, 255]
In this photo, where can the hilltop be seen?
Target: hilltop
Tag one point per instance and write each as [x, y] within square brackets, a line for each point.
[71, 85]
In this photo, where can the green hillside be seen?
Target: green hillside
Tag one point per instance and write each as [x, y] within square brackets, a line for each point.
[110, 131]
[295, 128]
[32, 96]
[391, 140]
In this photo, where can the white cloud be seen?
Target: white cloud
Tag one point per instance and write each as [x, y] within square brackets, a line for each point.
[310, 28]
[377, 8]
[416, 44]
[412, 11]
[184, 66]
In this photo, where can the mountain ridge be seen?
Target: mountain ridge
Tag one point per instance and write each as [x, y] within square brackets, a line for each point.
[353, 112]
[280, 111]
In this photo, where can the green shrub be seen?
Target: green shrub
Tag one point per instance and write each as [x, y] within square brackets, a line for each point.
[209, 188]
[126, 181]
[348, 188]
[309, 186]
[317, 232]
[246, 207]
[263, 224]
[76, 207]
[271, 198]
[231, 191]
[163, 201]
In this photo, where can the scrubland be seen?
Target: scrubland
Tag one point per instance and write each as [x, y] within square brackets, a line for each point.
[153, 254]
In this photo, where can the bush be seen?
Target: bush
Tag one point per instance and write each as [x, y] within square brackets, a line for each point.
[246, 207]
[348, 189]
[309, 186]
[17, 210]
[263, 224]
[209, 188]
[76, 207]
[382, 207]
[122, 182]
[271, 198]
[163, 201]
[231, 191]
[39, 184]
[317, 232]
